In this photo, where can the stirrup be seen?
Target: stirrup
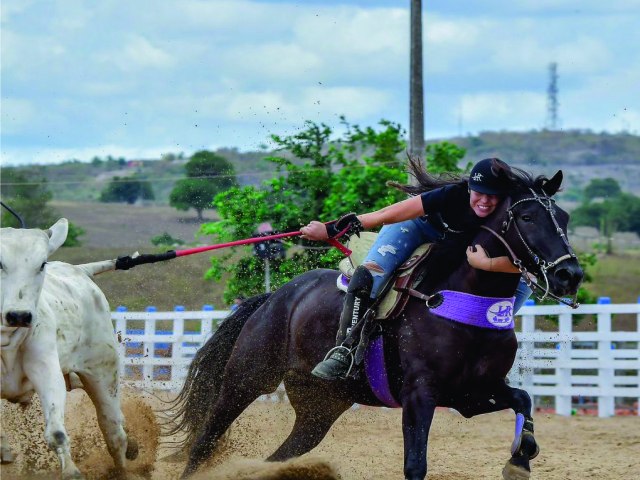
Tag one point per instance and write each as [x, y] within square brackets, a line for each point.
[349, 354]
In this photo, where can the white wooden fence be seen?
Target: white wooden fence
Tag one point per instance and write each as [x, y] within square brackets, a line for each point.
[575, 369]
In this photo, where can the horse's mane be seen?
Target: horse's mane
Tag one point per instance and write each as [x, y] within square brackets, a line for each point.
[517, 180]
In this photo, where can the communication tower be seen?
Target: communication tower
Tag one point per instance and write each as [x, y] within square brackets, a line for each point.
[552, 97]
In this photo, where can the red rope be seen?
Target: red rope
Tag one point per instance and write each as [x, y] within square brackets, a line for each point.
[246, 241]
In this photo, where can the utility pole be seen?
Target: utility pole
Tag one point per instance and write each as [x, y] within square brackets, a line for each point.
[416, 91]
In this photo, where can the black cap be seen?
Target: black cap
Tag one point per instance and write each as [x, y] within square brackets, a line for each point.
[482, 179]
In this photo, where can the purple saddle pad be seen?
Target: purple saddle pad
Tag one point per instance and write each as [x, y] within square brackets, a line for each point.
[376, 372]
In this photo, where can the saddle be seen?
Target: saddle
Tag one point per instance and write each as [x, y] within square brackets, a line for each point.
[394, 294]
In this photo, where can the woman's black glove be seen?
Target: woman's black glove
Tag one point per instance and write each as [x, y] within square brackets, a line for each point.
[349, 221]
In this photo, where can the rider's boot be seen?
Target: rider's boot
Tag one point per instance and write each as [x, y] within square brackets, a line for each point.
[357, 301]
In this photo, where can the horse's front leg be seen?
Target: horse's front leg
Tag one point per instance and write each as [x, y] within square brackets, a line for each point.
[418, 408]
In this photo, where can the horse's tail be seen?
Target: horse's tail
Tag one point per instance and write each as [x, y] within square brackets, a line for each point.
[202, 384]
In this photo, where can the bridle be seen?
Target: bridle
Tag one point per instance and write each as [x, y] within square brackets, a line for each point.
[542, 265]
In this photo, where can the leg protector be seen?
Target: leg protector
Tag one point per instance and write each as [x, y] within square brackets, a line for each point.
[357, 301]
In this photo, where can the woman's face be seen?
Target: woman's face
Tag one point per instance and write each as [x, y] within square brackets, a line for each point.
[482, 204]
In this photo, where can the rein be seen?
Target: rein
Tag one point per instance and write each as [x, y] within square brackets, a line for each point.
[543, 265]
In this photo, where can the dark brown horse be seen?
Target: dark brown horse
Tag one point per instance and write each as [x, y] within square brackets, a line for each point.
[431, 361]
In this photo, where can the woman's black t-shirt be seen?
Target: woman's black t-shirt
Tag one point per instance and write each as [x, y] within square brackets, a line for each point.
[447, 209]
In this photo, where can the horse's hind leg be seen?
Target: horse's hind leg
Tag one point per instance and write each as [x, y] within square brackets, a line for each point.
[239, 389]
[524, 447]
[316, 411]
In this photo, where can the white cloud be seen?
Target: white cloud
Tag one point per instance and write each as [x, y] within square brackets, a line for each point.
[273, 61]
[16, 114]
[139, 53]
[578, 56]
[509, 109]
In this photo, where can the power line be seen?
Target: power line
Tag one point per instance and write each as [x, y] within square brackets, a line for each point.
[173, 179]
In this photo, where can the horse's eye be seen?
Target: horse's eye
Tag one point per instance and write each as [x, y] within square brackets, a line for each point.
[1, 266]
[42, 266]
[526, 218]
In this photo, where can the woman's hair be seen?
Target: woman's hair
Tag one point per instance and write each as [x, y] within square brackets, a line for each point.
[515, 178]
[425, 181]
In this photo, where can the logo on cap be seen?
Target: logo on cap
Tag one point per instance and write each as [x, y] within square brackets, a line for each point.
[477, 177]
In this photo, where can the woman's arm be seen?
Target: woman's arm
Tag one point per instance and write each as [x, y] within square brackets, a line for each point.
[394, 213]
[480, 260]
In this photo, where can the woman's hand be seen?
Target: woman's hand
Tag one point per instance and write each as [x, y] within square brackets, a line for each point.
[314, 231]
[478, 258]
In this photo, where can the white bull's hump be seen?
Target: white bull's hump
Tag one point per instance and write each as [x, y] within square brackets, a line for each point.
[83, 327]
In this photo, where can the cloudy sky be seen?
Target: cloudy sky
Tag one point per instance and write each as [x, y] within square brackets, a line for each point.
[146, 77]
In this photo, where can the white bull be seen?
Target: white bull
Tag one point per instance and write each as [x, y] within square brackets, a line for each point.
[56, 326]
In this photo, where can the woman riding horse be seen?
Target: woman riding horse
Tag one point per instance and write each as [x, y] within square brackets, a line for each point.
[445, 211]
[454, 353]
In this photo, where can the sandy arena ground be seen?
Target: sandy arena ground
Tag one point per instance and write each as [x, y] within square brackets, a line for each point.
[364, 444]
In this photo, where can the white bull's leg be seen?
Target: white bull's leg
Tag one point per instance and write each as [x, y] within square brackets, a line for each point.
[103, 389]
[48, 381]
[6, 455]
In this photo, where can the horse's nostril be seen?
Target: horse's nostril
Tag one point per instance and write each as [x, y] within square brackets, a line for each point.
[564, 275]
[570, 277]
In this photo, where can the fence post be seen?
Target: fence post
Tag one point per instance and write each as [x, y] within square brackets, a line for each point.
[148, 348]
[527, 347]
[638, 344]
[178, 366]
[563, 367]
[606, 401]
[206, 325]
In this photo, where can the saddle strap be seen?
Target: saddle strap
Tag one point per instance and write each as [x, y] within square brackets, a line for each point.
[413, 293]
[432, 301]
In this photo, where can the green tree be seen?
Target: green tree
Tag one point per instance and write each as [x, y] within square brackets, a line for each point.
[29, 197]
[207, 175]
[444, 157]
[319, 177]
[127, 189]
[602, 187]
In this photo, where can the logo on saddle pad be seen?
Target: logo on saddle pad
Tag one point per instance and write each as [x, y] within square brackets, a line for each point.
[500, 314]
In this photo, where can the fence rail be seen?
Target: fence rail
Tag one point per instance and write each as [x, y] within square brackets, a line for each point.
[596, 370]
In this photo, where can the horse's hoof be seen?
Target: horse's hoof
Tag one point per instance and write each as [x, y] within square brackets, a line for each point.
[132, 449]
[515, 472]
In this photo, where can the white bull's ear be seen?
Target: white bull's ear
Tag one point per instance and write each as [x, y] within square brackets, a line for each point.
[57, 234]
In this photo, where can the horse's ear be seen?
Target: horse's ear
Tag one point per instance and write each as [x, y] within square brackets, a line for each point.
[550, 187]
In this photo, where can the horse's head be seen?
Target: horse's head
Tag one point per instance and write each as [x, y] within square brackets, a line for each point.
[534, 231]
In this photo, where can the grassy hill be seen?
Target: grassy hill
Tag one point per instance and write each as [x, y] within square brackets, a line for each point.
[582, 155]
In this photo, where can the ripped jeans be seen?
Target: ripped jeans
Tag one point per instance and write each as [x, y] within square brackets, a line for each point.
[396, 243]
